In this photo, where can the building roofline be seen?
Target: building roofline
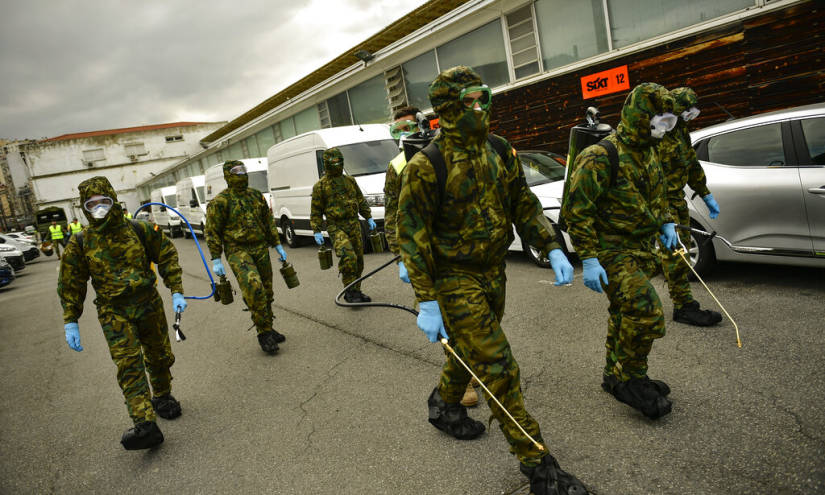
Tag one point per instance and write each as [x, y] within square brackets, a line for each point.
[124, 130]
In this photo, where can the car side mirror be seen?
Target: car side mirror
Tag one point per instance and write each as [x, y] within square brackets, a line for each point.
[162, 208]
[193, 203]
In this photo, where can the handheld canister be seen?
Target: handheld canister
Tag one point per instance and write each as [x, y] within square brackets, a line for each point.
[223, 291]
[325, 257]
[377, 241]
[290, 277]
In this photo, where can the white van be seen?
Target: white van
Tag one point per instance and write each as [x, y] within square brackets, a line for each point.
[295, 165]
[256, 169]
[166, 219]
[191, 199]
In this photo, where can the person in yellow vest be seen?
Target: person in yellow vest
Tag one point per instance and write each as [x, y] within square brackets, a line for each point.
[126, 214]
[75, 227]
[404, 124]
[56, 234]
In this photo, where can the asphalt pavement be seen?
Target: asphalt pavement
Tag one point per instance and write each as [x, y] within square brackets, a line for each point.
[341, 409]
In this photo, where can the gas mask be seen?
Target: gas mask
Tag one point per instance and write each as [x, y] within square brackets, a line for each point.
[662, 123]
[476, 102]
[690, 114]
[98, 206]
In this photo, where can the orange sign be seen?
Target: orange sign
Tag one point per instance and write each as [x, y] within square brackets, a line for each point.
[605, 82]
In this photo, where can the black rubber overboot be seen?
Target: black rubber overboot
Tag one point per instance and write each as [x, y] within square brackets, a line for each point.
[452, 419]
[279, 337]
[640, 394]
[692, 315]
[363, 297]
[142, 436]
[166, 406]
[351, 296]
[267, 342]
[549, 479]
[610, 381]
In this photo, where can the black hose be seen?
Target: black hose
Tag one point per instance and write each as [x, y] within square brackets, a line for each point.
[371, 304]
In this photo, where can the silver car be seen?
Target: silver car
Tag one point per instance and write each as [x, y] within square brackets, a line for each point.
[767, 173]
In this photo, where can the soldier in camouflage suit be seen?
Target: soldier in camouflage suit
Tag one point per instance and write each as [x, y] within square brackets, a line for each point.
[116, 253]
[615, 228]
[682, 168]
[338, 198]
[240, 225]
[454, 252]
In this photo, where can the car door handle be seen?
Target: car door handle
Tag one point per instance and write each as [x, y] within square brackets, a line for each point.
[817, 190]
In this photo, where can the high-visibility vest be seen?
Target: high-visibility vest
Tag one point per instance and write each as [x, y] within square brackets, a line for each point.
[76, 227]
[56, 231]
[128, 215]
[399, 163]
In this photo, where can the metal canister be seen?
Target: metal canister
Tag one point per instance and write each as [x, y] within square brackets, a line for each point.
[377, 241]
[290, 277]
[223, 291]
[325, 257]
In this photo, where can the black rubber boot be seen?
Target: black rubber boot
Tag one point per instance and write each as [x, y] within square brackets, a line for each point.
[452, 419]
[610, 381]
[267, 342]
[692, 315]
[142, 436]
[363, 297]
[549, 479]
[641, 394]
[166, 406]
[351, 296]
[279, 337]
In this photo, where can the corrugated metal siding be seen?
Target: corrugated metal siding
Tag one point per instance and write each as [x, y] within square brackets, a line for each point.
[764, 63]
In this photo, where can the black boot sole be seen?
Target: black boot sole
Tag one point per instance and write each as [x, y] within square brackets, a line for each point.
[458, 436]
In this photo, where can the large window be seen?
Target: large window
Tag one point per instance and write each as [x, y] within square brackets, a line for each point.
[582, 33]
[637, 20]
[252, 147]
[522, 36]
[93, 155]
[308, 120]
[753, 147]
[370, 157]
[265, 140]
[814, 130]
[369, 101]
[338, 108]
[287, 128]
[418, 74]
[481, 49]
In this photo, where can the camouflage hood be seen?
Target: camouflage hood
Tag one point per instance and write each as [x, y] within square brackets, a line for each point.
[233, 181]
[100, 185]
[460, 125]
[333, 162]
[683, 99]
[644, 102]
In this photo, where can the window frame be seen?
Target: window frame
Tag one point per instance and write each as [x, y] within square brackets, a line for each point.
[785, 136]
[803, 153]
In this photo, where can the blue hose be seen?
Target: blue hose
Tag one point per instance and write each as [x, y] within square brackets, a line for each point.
[205, 265]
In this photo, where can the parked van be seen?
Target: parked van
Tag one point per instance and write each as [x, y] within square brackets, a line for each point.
[296, 164]
[257, 170]
[191, 199]
[166, 219]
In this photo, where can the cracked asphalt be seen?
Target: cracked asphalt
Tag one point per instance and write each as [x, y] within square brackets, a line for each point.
[341, 409]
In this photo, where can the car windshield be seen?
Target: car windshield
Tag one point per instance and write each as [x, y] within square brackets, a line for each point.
[369, 157]
[257, 180]
[541, 168]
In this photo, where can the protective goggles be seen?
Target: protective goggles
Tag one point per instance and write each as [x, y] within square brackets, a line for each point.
[481, 94]
[96, 200]
[238, 170]
[690, 114]
[403, 128]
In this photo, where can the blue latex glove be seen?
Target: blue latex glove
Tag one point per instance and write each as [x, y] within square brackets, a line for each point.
[371, 223]
[73, 336]
[561, 266]
[178, 302]
[281, 251]
[402, 273]
[669, 238]
[593, 273]
[319, 238]
[430, 322]
[217, 267]
[713, 206]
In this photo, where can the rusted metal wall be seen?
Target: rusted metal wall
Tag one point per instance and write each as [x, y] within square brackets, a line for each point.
[764, 63]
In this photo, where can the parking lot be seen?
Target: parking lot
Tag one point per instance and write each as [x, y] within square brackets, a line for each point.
[342, 407]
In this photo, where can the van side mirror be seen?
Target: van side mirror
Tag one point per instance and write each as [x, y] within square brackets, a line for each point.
[193, 203]
[162, 208]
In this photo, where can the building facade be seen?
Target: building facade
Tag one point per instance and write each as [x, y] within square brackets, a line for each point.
[126, 157]
[16, 207]
[741, 56]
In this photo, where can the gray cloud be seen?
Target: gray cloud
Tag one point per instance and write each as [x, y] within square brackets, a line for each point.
[74, 66]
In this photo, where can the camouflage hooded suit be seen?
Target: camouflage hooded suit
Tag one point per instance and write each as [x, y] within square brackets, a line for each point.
[338, 198]
[240, 225]
[619, 224]
[681, 168]
[128, 305]
[454, 245]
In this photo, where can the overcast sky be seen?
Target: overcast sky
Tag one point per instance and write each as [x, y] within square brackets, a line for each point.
[72, 66]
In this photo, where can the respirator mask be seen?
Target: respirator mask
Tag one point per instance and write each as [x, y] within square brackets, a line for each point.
[662, 123]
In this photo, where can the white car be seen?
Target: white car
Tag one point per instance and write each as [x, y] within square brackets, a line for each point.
[22, 237]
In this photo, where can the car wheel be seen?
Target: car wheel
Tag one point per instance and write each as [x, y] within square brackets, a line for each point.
[535, 256]
[186, 233]
[289, 233]
[701, 254]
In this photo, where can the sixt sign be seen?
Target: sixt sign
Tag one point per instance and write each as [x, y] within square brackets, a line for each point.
[605, 82]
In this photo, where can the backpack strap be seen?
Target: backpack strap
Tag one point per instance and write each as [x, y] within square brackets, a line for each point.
[433, 154]
[613, 157]
[498, 144]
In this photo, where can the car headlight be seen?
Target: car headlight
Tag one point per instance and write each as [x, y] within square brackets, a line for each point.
[6, 249]
[375, 199]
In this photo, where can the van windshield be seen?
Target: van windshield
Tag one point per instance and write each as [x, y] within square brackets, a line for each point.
[200, 197]
[170, 200]
[367, 158]
[257, 180]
